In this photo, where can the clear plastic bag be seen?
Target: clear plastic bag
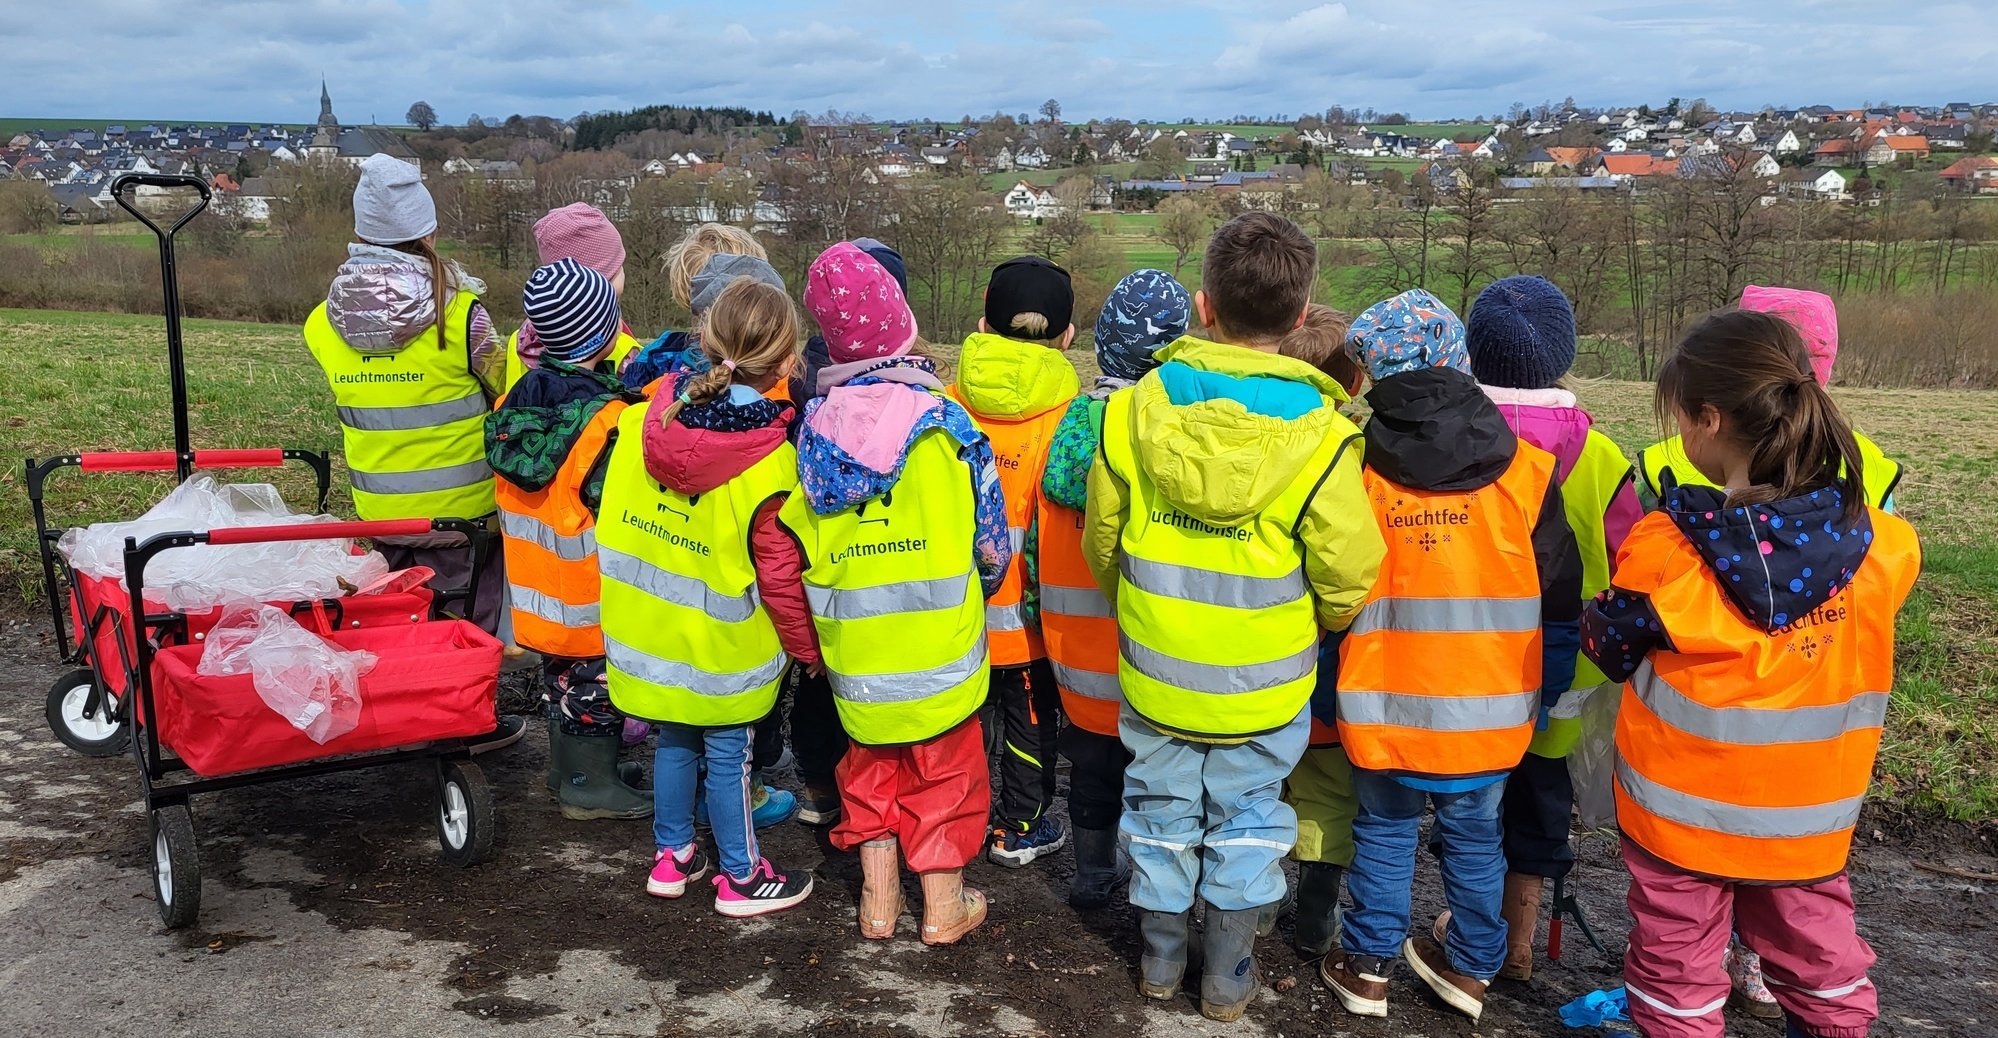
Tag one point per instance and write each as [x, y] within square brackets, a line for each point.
[201, 577]
[1593, 760]
[306, 679]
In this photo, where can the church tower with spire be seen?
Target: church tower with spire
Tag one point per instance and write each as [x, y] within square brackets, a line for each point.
[325, 144]
[326, 117]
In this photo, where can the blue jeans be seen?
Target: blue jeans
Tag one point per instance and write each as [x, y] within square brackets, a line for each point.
[1386, 838]
[1208, 816]
[676, 768]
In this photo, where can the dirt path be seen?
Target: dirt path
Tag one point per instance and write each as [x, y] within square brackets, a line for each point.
[327, 911]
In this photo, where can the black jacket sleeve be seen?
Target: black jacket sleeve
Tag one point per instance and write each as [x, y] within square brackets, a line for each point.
[1560, 564]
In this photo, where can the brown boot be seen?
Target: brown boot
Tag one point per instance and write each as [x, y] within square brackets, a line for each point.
[950, 909]
[880, 888]
[1521, 913]
[1463, 993]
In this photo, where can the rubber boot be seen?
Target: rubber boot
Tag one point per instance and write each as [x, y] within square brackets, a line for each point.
[632, 772]
[880, 888]
[1267, 916]
[591, 787]
[1317, 923]
[1167, 938]
[1521, 913]
[1100, 868]
[950, 909]
[1228, 978]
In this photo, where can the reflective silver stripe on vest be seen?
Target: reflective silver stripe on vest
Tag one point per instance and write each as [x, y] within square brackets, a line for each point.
[1018, 537]
[1440, 713]
[675, 588]
[1005, 618]
[909, 686]
[1076, 601]
[1771, 823]
[410, 417]
[909, 596]
[552, 609]
[1216, 679]
[1211, 587]
[1751, 726]
[1448, 615]
[1090, 684]
[567, 547]
[421, 481]
[671, 674]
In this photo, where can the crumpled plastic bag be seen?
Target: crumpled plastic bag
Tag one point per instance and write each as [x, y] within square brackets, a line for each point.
[201, 577]
[309, 681]
[1592, 763]
[1597, 1008]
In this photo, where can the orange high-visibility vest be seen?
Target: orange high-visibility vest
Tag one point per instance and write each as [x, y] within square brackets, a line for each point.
[1440, 673]
[1021, 449]
[550, 542]
[1078, 624]
[1745, 754]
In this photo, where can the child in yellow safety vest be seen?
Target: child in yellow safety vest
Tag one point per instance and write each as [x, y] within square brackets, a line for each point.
[1016, 383]
[1521, 337]
[548, 442]
[1146, 310]
[1226, 522]
[1754, 623]
[704, 607]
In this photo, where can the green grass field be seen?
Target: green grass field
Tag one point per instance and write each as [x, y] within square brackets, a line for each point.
[98, 382]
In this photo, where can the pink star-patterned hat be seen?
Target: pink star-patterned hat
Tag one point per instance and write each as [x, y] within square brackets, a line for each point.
[859, 307]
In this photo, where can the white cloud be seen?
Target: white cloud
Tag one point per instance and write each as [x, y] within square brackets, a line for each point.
[262, 59]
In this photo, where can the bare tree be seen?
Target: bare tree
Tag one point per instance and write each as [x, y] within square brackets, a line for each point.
[1051, 110]
[949, 232]
[1471, 196]
[421, 116]
[1162, 160]
[27, 205]
[1183, 225]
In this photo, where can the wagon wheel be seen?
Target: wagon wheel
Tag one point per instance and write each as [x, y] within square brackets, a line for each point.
[465, 816]
[176, 866]
[98, 734]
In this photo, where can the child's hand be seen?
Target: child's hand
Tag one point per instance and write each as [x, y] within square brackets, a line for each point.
[815, 670]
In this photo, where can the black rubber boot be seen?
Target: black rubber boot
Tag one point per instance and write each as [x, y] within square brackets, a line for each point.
[592, 786]
[1317, 923]
[632, 772]
[1228, 980]
[1162, 966]
[1100, 868]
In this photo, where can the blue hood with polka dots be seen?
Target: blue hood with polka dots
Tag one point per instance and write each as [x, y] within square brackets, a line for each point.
[1779, 560]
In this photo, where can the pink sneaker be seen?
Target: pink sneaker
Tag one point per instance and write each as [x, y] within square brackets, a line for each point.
[764, 890]
[671, 873]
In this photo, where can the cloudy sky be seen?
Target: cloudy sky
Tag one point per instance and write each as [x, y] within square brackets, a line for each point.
[1159, 59]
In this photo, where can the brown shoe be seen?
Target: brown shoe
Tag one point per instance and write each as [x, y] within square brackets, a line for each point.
[1360, 981]
[1440, 929]
[1427, 958]
[1521, 912]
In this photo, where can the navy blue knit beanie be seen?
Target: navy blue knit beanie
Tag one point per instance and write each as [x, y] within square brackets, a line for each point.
[1521, 334]
[888, 258]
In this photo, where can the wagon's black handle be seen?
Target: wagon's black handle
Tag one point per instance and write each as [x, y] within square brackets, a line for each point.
[131, 180]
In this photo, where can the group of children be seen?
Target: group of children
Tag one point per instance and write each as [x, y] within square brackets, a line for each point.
[1252, 628]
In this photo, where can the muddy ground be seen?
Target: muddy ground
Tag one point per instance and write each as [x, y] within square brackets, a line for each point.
[327, 911]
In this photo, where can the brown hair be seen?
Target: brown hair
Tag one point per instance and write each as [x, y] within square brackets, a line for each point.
[747, 335]
[1321, 342]
[698, 246]
[1258, 275]
[1753, 369]
[423, 250]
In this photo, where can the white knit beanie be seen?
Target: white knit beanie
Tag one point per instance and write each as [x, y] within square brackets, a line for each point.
[391, 205]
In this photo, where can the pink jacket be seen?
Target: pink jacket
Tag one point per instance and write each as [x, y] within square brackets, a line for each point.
[1550, 420]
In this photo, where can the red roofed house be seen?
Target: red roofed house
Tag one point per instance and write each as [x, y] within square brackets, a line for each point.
[1977, 175]
[1626, 167]
[1886, 150]
[1837, 151]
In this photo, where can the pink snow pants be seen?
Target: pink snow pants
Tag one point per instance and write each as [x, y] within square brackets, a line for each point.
[1812, 958]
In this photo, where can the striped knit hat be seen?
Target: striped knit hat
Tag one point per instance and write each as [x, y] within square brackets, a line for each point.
[573, 309]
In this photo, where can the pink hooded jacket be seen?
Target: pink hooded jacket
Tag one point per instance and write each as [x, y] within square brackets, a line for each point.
[1550, 420]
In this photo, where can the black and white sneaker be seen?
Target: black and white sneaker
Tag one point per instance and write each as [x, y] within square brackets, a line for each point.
[765, 890]
[505, 733]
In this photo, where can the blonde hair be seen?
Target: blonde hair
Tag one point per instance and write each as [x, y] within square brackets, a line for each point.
[1321, 342]
[693, 251]
[748, 334]
[1030, 326]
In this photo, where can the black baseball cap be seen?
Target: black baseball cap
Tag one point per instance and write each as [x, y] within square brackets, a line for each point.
[1029, 285]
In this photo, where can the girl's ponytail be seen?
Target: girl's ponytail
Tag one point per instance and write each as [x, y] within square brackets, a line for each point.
[747, 335]
[1753, 369]
[423, 250]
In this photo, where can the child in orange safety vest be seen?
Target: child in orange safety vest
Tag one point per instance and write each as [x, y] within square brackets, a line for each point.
[1016, 384]
[1754, 624]
[1146, 310]
[548, 441]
